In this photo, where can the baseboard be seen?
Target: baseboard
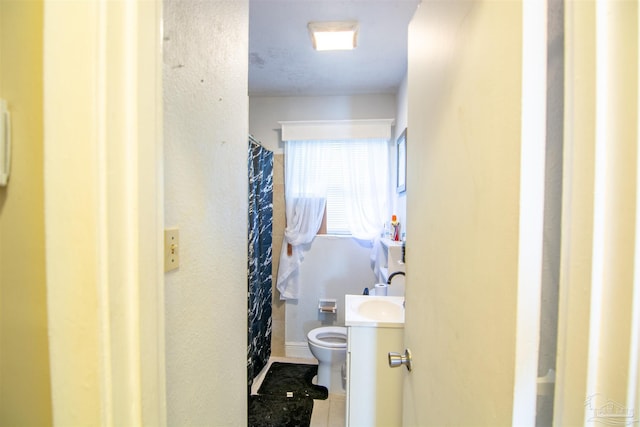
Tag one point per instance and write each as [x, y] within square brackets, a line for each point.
[298, 350]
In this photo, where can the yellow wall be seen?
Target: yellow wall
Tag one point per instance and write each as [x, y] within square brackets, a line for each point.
[25, 396]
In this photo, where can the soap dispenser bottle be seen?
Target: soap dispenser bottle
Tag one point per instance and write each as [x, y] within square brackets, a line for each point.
[395, 228]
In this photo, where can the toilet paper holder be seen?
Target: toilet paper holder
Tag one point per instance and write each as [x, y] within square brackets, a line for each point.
[328, 305]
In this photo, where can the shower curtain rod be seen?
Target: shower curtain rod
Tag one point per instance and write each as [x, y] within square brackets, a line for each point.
[255, 141]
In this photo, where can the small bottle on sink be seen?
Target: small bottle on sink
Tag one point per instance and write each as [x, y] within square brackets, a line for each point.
[395, 228]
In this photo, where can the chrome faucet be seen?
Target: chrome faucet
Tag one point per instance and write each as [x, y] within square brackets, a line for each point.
[392, 275]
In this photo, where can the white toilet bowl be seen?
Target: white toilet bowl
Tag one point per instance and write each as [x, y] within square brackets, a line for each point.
[328, 344]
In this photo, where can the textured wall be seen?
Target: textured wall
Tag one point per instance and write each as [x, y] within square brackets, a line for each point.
[205, 134]
[25, 392]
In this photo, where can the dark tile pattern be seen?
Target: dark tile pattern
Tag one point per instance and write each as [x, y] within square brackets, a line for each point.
[260, 164]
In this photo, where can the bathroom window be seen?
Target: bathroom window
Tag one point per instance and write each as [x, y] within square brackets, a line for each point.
[335, 215]
[338, 193]
[351, 175]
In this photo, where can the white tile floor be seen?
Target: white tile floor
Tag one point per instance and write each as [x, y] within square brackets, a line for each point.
[330, 412]
[326, 413]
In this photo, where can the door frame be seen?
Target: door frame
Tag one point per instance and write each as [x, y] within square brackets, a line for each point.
[104, 211]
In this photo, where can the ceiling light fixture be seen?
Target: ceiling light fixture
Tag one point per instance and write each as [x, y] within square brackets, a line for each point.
[334, 35]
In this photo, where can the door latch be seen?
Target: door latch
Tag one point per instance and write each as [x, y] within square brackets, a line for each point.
[397, 359]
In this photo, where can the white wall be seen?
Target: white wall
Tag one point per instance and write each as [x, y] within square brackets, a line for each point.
[266, 112]
[205, 133]
[333, 267]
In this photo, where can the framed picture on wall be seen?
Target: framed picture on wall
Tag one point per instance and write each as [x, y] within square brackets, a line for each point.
[401, 159]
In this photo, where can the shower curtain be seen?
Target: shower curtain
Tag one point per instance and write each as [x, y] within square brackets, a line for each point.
[260, 260]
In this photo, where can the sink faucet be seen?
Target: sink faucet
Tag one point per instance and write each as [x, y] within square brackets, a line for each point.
[394, 275]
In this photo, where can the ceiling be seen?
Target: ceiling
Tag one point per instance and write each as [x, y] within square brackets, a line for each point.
[282, 61]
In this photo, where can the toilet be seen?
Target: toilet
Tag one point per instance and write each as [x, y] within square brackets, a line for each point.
[328, 344]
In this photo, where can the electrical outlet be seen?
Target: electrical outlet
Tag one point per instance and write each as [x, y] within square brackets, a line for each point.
[171, 249]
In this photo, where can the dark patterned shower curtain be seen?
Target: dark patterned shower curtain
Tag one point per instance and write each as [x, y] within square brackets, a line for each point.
[260, 260]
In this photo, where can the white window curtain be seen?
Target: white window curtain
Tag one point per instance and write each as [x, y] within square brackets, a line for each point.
[366, 179]
[305, 199]
[363, 165]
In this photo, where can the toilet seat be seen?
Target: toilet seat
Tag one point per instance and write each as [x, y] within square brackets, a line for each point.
[329, 336]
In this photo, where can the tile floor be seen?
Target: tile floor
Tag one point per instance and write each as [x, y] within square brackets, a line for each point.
[326, 413]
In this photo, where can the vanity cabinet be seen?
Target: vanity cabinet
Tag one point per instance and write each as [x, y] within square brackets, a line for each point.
[374, 390]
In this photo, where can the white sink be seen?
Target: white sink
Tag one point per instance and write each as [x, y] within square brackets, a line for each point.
[377, 311]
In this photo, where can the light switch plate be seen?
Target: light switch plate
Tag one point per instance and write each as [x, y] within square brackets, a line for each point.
[171, 249]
